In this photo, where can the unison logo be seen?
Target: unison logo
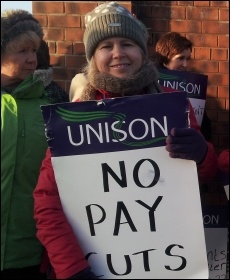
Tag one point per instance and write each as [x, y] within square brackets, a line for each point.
[176, 82]
[112, 127]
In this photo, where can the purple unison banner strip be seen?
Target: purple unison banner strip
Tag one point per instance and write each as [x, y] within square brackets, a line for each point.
[117, 124]
[193, 83]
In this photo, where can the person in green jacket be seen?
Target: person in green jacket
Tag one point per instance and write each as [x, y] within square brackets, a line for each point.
[23, 144]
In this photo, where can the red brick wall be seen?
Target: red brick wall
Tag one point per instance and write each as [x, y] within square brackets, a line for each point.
[205, 23]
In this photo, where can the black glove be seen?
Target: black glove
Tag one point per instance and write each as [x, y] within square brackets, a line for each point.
[84, 274]
[186, 143]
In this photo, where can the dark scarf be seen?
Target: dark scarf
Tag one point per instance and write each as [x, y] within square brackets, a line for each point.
[143, 82]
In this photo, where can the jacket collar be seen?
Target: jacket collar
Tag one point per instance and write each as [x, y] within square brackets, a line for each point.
[31, 87]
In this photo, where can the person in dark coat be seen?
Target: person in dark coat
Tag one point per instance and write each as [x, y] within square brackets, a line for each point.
[173, 52]
[54, 93]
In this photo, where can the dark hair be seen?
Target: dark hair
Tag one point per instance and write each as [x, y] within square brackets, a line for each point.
[43, 56]
[169, 45]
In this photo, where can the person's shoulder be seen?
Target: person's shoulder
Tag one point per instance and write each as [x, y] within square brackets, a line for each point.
[55, 93]
[78, 83]
[56, 86]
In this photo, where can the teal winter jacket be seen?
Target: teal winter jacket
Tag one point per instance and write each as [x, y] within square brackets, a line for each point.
[23, 147]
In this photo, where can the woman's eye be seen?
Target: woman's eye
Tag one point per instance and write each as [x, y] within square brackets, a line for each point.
[105, 46]
[129, 44]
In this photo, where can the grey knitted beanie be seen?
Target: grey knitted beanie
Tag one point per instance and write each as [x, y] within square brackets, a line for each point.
[112, 20]
[15, 23]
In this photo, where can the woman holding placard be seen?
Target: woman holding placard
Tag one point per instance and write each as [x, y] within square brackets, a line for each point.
[118, 65]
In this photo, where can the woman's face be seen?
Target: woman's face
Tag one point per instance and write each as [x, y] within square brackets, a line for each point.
[20, 63]
[119, 57]
[180, 61]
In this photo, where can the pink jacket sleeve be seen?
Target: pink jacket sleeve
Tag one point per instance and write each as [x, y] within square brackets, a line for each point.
[53, 229]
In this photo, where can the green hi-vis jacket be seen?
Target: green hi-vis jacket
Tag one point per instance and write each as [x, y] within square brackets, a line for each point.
[23, 147]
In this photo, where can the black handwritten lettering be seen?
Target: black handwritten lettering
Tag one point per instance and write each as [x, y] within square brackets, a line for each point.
[145, 258]
[151, 212]
[107, 169]
[168, 252]
[122, 182]
[155, 179]
[122, 208]
[90, 217]
[128, 265]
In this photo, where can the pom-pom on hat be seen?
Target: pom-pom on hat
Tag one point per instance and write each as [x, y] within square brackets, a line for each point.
[112, 20]
[15, 23]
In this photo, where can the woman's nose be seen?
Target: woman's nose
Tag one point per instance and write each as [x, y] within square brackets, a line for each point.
[118, 51]
[185, 63]
[31, 57]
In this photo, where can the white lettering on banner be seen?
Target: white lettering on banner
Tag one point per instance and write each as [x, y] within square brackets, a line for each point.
[214, 220]
[103, 131]
[189, 87]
